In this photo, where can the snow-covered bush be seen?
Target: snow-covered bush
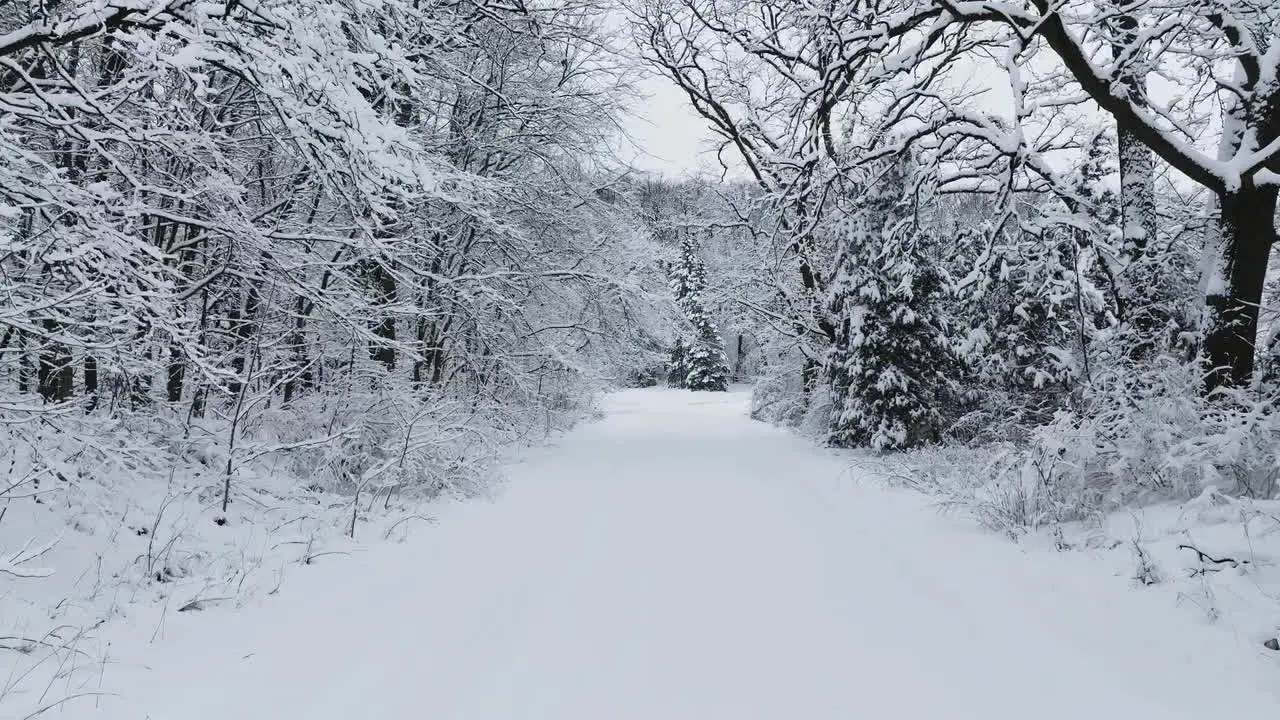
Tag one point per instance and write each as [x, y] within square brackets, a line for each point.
[1149, 432]
[778, 395]
[1144, 433]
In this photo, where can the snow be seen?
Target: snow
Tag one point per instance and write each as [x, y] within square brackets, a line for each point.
[677, 560]
[1216, 555]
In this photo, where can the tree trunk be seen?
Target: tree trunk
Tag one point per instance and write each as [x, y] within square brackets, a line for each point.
[26, 371]
[139, 381]
[301, 379]
[1145, 306]
[91, 381]
[1137, 195]
[244, 325]
[55, 374]
[1141, 305]
[809, 376]
[177, 372]
[384, 286]
[420, 364]
[1137, 162]
[1235, 283]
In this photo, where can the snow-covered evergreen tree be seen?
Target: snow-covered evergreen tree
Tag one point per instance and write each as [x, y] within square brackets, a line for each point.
[891, 368]
[699, 362]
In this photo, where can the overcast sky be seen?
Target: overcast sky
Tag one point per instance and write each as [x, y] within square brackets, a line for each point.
[669, 136]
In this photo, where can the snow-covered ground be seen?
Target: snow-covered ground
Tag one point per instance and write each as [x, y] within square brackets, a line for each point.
[1215, 556]
[677, 560]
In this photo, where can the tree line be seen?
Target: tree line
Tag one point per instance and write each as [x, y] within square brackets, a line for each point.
[1002, 220]
[376, 228]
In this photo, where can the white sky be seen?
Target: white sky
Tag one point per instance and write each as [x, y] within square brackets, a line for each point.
[668, 136]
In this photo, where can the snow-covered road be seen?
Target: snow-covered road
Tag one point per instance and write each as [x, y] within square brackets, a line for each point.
[677, 561]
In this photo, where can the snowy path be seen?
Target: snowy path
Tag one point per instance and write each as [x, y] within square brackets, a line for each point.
[680, 562]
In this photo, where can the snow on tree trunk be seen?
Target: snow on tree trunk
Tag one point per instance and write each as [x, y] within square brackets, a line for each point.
[1144, 308]
[1137, 195]
[1137, 162]
[1236, 265]
[1237, 269]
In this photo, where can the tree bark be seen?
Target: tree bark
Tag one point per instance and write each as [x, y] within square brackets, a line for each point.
[384, 287]
[177, 372]
[1137, 162]
[1137, 194]
[242, 321]
[1142, 306]
[26, 370]
[738, 358]
[91, 381]
[1235, 283]
[55, 373]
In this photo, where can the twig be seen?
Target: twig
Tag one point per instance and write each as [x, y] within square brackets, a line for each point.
[46, 708]
[199, 603]
[319, 555]
[12, 564]
[401, 521]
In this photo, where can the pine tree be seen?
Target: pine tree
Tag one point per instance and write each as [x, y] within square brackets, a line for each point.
[1035, 294]
[699, 362]
[891, 368]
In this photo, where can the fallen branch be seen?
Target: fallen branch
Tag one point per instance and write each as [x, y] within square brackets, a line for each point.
[1205, 557]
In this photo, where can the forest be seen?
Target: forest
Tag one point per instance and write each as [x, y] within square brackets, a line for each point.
[359, 250]
[369, 238]
[1069, 262]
